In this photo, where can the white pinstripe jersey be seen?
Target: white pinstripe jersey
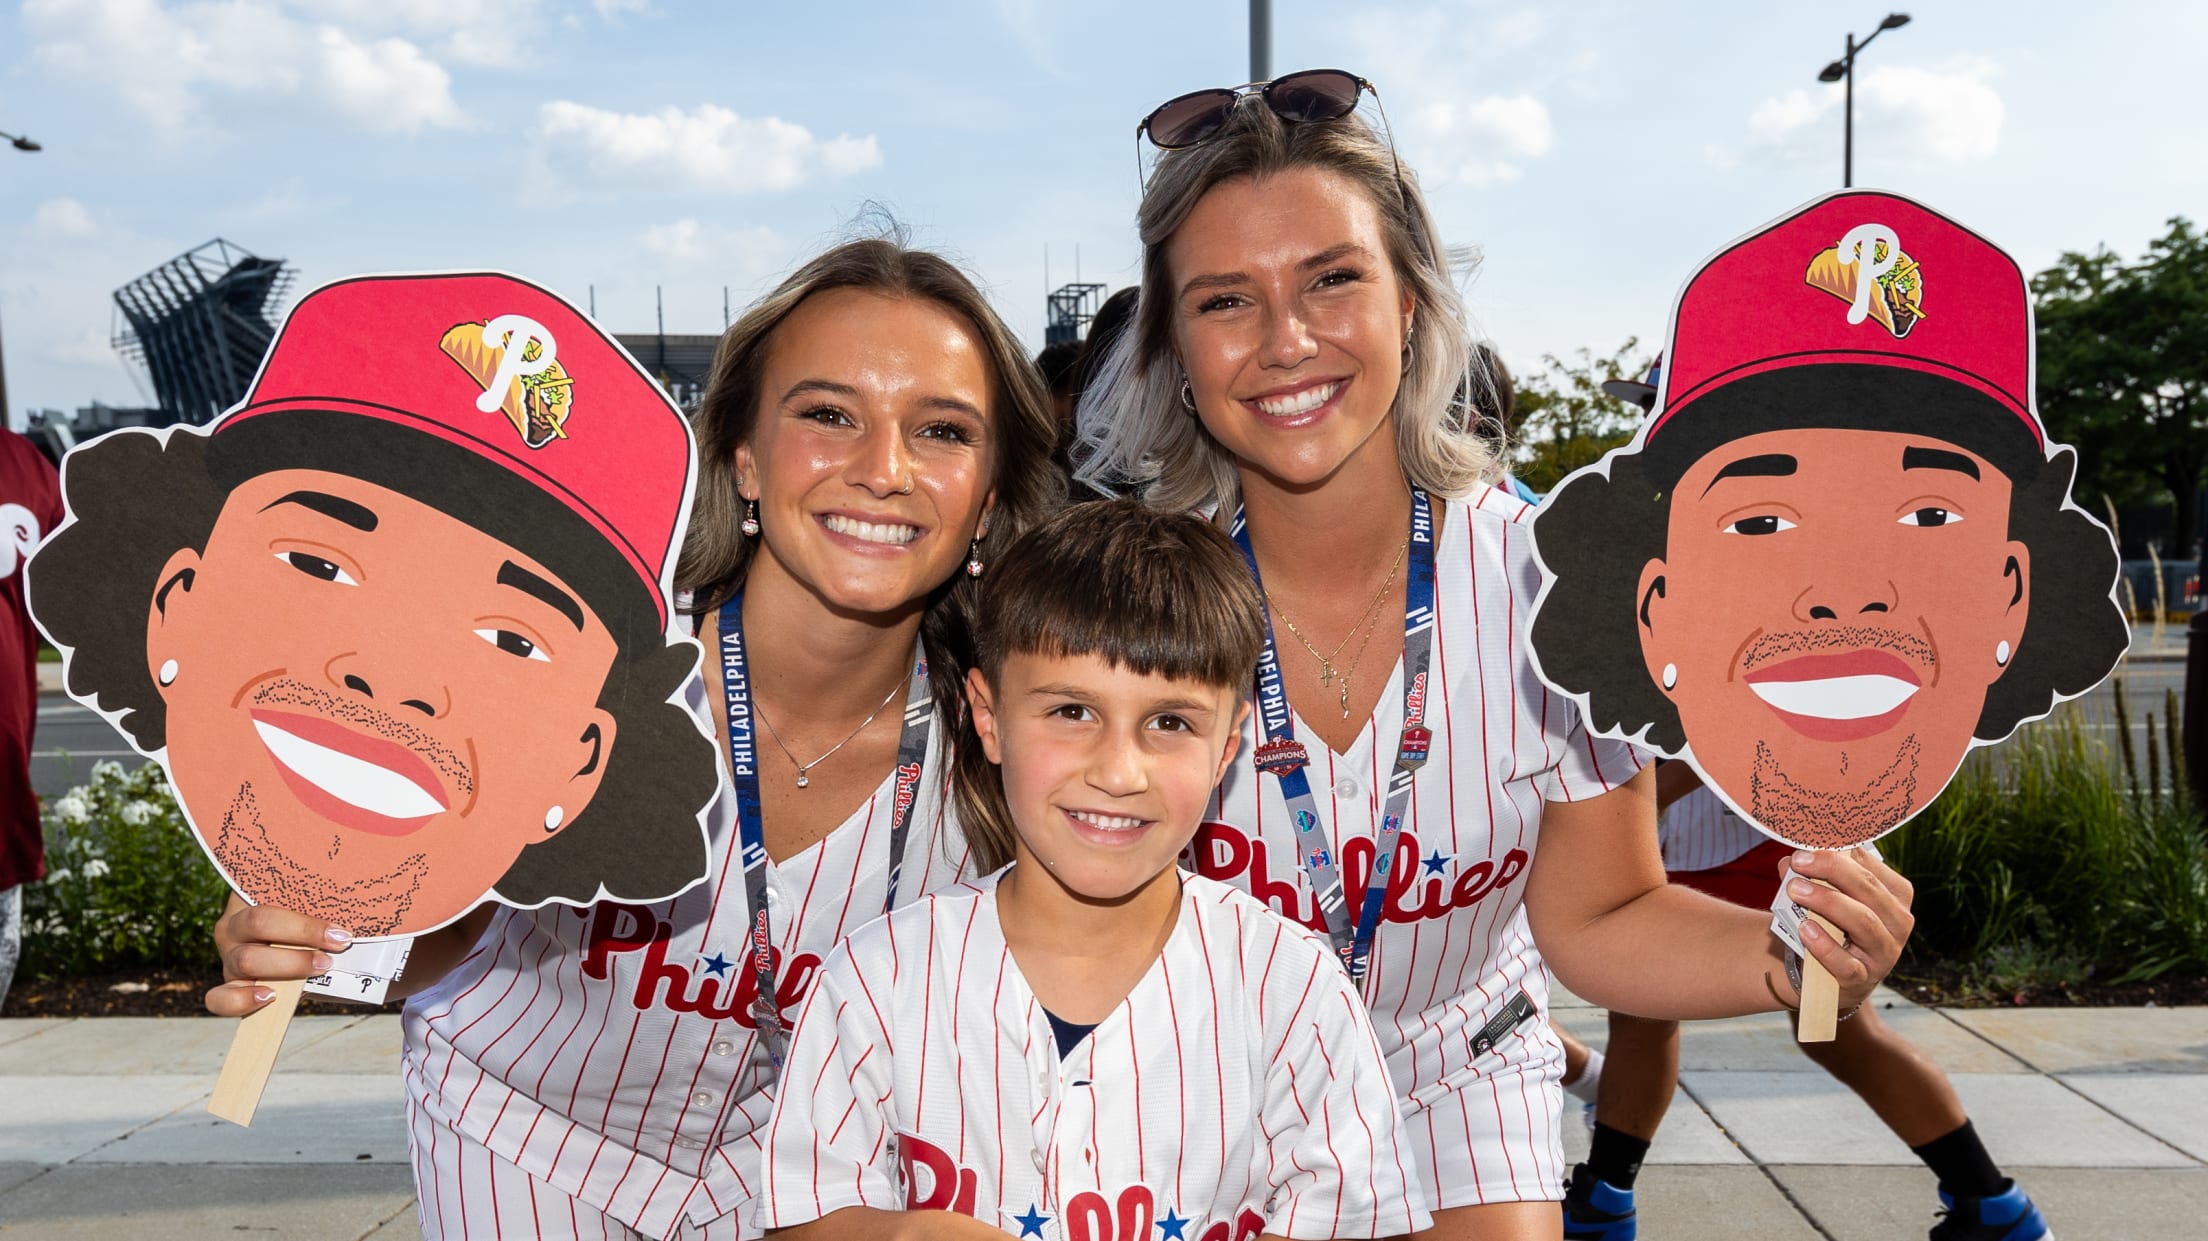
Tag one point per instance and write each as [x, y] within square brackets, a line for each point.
[1237, 1090]
[610, 1051]
[1700, 832]
[1452, 947]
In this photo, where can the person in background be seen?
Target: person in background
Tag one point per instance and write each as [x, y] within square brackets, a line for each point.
[1497, 423]
[30, 508]
[1710, 849]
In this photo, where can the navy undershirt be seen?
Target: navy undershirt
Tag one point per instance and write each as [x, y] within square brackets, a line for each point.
[1067, 1033]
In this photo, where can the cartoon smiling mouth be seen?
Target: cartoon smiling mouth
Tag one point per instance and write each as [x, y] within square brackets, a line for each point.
[1837, 697]
[356, 781]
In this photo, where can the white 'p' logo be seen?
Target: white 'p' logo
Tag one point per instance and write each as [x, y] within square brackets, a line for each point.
[510, 335]
[1860, 247]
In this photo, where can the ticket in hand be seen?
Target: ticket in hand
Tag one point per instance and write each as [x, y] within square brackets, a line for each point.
[363, 973]
[1787, 917]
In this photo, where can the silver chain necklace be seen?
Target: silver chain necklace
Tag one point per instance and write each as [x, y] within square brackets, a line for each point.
[804, 780]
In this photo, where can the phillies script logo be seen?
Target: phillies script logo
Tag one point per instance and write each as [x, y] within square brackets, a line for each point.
[1414, 703]
[908, 787]
[728, 996]
[935, 1182]
[1221, 851]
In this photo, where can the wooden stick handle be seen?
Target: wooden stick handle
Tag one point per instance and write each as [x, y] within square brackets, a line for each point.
[1819, 1021]
[253, 1053]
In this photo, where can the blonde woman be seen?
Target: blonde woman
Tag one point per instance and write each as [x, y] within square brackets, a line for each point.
[871, 432]
[1293, 368]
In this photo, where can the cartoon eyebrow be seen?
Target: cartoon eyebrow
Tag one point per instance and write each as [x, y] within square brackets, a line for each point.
[511, 574]
[1937, 459]
[358, 516]
[1769, 465]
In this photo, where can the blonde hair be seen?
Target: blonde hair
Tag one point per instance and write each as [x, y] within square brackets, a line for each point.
[716, 555]
[1134, 431]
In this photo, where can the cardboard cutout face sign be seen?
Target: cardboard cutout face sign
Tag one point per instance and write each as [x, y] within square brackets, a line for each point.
[1841, 552]
[397, 624]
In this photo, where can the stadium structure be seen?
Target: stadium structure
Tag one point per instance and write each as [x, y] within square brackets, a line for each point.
[198, 325]
[1068, 311]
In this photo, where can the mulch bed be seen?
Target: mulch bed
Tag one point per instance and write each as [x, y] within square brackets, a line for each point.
[170, 993]
[167, 993]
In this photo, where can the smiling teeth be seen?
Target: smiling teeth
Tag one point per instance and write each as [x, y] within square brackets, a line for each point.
[872, 533]
[1836, 698]
[354, 781]
[1106, 822]
[1301, 402]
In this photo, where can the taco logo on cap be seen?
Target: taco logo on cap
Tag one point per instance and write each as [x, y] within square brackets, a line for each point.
[1869, 271]
[514, 359]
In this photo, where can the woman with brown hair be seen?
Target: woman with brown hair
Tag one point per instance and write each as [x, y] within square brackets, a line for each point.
[871, 431]
[1413, 791]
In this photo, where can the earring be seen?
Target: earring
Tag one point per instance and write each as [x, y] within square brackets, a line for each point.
[2001, 653]
[1671, 676]
[168, 673]
[751, 518]
[973, 559]
[553, 818]
[1188, 396]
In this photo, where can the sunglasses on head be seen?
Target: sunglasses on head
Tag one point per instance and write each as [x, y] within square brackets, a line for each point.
[1309, 95]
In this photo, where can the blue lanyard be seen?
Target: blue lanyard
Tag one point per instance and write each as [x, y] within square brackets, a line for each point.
[1281, 754]
[743, 769]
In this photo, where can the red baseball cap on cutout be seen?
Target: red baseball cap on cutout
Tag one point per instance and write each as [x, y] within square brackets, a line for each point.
[1859, 277]
[506, 371]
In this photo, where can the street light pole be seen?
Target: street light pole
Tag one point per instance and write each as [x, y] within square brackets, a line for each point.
[1843, 70]
[1261, 40]
[20, 143]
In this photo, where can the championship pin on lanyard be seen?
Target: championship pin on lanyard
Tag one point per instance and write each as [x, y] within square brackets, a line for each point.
[1280, 753]
[743, 768]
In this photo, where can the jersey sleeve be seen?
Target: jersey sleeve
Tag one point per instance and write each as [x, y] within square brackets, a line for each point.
[1338, 1162]
[828, 1138]
[1587, 765]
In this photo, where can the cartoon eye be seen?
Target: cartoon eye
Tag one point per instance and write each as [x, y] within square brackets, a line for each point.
[513, 644]
[1930, 517]
[1767, 524]
[315, 566]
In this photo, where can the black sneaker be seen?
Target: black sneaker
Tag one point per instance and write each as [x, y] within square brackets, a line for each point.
[1597, 1210]
[2007, 1216]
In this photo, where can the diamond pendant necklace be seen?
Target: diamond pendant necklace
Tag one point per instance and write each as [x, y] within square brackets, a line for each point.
[804, 780]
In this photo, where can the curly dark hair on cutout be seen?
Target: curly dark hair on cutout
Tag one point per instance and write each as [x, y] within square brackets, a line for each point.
[136, 498]
[1587, 636]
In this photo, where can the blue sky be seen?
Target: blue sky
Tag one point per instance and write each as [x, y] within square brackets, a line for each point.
[1593, 151]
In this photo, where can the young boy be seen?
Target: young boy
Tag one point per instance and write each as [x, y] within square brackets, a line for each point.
[1089, 1044]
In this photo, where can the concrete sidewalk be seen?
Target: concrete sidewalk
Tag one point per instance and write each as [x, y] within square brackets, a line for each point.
[2102, 1113]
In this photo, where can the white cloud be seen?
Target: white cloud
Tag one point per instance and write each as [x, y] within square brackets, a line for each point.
[613, 9]
[64, 217]
[1907, 113]
[1469, 142]
[708, 148]
[174, 63]
[495, 33]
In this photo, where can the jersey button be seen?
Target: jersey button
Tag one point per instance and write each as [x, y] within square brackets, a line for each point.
[1347, 789]
[689, 1144]
[724, 1048]
[703, 1098]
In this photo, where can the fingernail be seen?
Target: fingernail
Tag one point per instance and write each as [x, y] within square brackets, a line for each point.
[322, 963]
[262, 995]
[1800, 889]
[1811, 930]
[337, 937]
[1803, 857]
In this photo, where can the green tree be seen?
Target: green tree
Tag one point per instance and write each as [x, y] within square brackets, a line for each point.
[1565, 419]
[2123, 372]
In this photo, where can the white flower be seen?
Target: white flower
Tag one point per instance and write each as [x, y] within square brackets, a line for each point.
[95, 868]
[57, 875]
[72, 809]
[139, 813]
[106, 769]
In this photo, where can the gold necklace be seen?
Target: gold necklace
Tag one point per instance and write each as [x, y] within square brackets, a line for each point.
[802, 778]
[1365, 625]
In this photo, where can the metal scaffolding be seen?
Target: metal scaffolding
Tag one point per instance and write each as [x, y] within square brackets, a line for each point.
[199, 324]
[1070, 308]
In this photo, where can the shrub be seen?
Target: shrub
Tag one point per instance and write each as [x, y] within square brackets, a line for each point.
[2050, 857]
[127, 885]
